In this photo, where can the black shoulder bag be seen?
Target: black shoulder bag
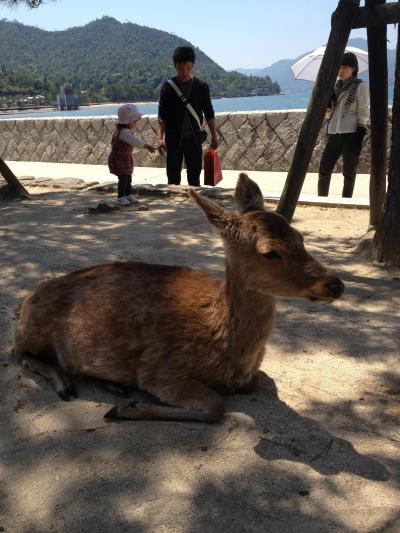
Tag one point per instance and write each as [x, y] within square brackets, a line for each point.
[189, 107]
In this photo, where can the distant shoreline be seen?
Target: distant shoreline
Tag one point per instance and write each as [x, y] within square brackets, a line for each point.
[54, 109]
[89, 106]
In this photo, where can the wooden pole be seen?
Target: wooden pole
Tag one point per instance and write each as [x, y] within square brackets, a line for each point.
[378, 87]
[386, 244]
[14, 188]
[378, 15]
[342, 21]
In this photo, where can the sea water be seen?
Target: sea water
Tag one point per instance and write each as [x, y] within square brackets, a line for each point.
[221, 105]
[292, 100]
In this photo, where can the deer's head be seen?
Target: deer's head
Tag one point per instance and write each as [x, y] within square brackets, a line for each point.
[264, 252]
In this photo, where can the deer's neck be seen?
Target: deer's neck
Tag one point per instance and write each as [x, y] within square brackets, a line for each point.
[249, 318]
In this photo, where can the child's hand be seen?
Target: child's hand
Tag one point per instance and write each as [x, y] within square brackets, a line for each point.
[150, 148]
[161, 147]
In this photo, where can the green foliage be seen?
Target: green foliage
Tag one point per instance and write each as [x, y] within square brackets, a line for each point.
[29, 3]
[108, 61]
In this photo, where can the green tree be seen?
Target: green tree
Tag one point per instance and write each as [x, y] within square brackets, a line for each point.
[105, 54]
[14, 189]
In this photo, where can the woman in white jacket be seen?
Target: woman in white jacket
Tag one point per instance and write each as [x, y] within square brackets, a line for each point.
[349, 113]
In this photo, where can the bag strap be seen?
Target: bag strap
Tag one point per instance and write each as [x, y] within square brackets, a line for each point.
[186, 102]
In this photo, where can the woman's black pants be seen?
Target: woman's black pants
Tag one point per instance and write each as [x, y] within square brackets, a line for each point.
[347, 145]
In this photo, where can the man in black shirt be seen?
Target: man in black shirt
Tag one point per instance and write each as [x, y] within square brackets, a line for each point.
[183, 136]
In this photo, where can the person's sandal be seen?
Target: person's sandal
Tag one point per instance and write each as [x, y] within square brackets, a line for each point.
[103, 207]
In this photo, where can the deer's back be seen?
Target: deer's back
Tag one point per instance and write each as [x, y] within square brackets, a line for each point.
[112, 320]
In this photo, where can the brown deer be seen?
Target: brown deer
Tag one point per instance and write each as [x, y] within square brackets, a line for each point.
[177, 333]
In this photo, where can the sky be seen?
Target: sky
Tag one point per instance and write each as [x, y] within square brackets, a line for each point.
[234, 33]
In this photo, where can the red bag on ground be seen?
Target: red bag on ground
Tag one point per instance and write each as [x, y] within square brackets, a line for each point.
[212, 168]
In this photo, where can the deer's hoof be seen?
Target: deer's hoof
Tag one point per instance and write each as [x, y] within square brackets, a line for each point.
[112, 413]
[68, 393]
[125, 409]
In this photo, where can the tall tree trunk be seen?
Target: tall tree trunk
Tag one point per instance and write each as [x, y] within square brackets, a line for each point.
[378, 86]
[386, 243]
[14, 189]
[342, 21]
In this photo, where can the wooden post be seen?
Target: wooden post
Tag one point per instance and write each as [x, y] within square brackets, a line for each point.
[386, 244]
[378, 87]
[342, 21]
[378, 15]
[14, 189]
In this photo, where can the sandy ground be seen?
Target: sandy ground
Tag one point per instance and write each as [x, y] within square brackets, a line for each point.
[318, 454]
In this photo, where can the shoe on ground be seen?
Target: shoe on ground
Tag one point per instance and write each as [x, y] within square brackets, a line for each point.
[123, 200]
[132, 199]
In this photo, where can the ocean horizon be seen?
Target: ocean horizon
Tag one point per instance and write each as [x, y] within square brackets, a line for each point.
[276, 102]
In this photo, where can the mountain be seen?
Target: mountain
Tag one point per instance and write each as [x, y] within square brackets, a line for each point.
[105, 60]
[280, 70]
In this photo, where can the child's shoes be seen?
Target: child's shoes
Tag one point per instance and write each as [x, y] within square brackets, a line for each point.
[132, 199]
[123, 200]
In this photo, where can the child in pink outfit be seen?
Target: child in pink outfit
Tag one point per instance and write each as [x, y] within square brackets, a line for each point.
[120, 160]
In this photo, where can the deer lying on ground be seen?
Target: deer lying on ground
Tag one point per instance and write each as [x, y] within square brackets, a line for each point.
[172, 331]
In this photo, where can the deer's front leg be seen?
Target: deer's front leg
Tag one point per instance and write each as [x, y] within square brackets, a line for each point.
[260, 381]
[252, 386]
[55, 375]
[186, 400]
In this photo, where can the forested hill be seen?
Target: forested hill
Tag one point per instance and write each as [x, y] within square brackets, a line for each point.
[106, 59]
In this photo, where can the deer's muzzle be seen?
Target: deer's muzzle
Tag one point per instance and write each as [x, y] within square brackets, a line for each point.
[326, 292]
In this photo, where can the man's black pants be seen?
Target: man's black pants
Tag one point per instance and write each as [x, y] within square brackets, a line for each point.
[191, 150]
[347, 145]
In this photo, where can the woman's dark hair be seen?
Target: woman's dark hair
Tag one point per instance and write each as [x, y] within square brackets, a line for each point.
[350, 60]
[183, 54]
[122, 126]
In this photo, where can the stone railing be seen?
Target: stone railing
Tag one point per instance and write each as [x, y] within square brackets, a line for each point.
[248, 141]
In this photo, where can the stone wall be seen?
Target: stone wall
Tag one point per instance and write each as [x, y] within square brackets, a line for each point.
[249, 141]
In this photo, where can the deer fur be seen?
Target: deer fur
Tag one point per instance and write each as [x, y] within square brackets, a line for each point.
[175, 332]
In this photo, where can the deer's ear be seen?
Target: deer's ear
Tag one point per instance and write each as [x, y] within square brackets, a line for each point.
[217, 216]
[248, 195]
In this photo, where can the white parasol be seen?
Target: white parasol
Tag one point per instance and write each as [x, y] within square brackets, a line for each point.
[307, 67]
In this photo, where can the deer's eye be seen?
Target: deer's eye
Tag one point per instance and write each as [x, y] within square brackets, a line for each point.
[272, 255]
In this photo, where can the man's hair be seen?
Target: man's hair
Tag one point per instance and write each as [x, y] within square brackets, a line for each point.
[183, 54]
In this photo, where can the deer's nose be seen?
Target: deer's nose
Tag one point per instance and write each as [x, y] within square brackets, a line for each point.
[335, 289]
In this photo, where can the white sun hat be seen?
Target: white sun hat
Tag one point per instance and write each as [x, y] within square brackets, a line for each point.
[128, 113]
